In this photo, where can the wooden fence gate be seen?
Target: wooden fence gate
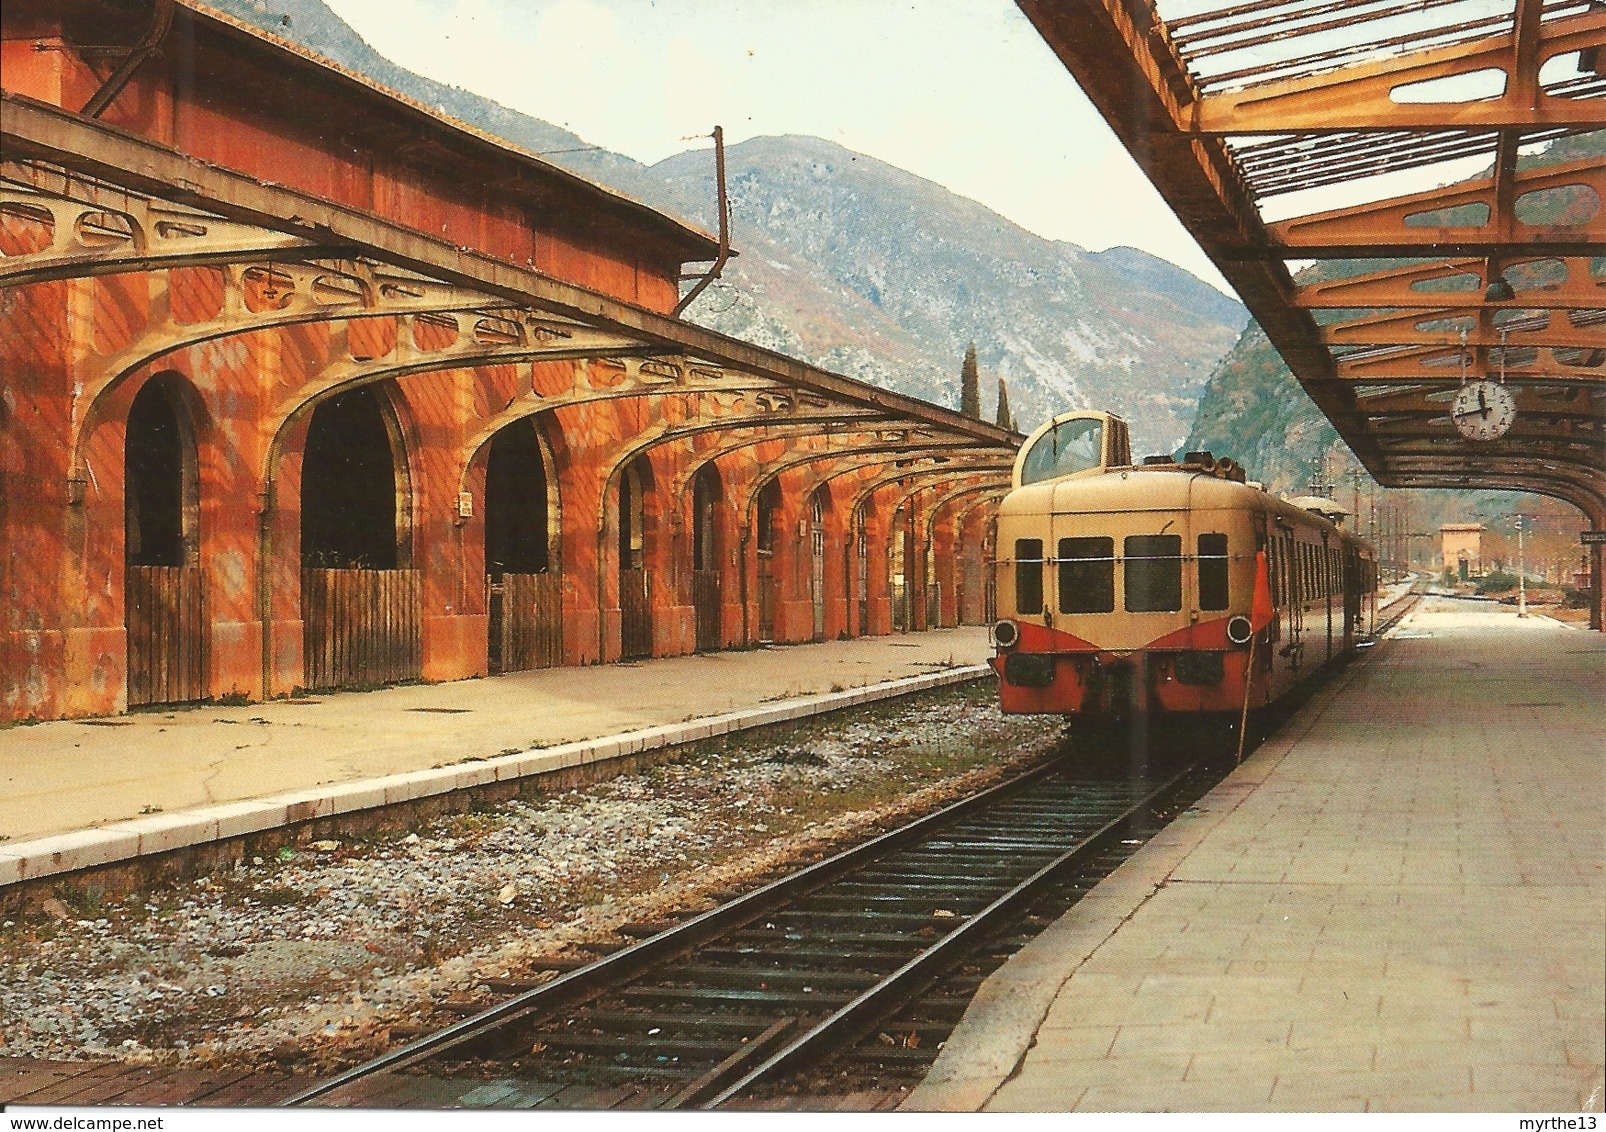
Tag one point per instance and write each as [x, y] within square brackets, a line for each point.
[166, 635]
[817, 578]
[769, 593]
[526, 622]
[900, 605]
[864, 584]
[361, 627]
[635, 615]
[706, 599]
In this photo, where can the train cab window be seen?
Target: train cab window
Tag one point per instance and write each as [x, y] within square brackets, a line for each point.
[1028, 575]
[1087, 575]
[1153, 573]
[1076, 445]
[1213, 571]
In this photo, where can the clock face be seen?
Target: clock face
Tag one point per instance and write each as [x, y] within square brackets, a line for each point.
[1483, 410]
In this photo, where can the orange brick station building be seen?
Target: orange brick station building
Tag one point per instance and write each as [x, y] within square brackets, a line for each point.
[304, 387]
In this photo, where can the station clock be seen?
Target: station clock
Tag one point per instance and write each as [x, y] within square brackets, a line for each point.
[1483, 410]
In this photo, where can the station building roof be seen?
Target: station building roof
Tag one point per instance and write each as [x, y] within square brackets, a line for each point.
[1408, 194]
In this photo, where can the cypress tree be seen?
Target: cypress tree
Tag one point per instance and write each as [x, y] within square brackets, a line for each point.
[970, 385]
[1004, 420]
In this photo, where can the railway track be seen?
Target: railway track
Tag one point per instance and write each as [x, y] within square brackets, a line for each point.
[842, 960]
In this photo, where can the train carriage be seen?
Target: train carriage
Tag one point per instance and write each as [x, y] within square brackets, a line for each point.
[1167, 589]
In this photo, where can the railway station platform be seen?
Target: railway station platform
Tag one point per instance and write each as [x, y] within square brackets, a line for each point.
[79, 794]
[1398, 903]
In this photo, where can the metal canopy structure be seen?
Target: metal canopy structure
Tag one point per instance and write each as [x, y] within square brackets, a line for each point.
[1408, 194]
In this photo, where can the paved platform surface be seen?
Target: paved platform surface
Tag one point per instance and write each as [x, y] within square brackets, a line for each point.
[62, 781]
[1396, 904]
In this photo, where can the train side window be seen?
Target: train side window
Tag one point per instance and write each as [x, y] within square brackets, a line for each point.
[1153, 573]
[1087, 575]
[1028, 575]
[1213, 571]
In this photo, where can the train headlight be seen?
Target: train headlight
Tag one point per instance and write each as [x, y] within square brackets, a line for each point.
[1239, 630]
[1005, 634]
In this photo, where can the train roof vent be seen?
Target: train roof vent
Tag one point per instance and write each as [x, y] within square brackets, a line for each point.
[1326, 508]
[1204, 458]
[1151, 461]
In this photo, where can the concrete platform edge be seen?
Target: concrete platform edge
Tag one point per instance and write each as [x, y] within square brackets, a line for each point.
[1001, 1023]
[126, 841]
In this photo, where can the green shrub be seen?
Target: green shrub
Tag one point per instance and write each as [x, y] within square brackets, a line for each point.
[1497, 583]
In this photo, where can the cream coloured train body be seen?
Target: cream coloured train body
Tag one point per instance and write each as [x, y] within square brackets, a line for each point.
[1165, 589]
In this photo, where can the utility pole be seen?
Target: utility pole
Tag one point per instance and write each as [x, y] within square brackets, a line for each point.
[1522, 572]
[724, 205]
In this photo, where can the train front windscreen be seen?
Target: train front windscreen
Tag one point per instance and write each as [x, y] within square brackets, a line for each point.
[1072, 446]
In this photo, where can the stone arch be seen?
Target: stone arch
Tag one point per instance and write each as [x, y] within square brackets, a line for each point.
[163, 590]
[356, 486]
[707, 539]
[635, 508]
[909, 482]
[820, 509]
[946, 558]
[766, 534]
[161, 481]
[975, 568]
[360, 597]
[521, 535]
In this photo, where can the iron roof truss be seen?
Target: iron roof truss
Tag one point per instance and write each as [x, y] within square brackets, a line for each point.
[1363, 173]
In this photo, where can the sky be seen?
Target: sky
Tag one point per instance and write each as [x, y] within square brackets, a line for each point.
[962, 92]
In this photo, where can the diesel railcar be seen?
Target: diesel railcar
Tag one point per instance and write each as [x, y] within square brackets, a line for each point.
[1168, 589]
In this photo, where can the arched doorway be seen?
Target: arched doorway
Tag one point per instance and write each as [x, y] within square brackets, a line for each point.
[360, 604]
[524, 590]
[635, 598]
[899, 580]
[819, 503]
[989, 573]
[862, 548]
[707, 494]
[769, 582]
[161, 576]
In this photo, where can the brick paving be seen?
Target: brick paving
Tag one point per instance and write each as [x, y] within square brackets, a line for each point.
[1396, 904]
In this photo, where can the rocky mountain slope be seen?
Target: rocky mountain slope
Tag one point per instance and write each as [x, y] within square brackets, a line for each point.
[865, 269]
[909, 273]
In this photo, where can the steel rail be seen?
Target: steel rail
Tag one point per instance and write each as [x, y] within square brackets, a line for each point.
[876, 1000]
[614, 968]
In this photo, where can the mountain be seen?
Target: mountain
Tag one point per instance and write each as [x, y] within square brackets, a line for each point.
[863, 268]
[899, 274]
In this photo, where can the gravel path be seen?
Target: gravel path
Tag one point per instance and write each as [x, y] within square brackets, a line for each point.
[328, 952]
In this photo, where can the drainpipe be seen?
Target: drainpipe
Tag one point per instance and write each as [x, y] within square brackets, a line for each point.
[747, 623]
[265, 587]
[602, 585]
[724, 228]
[150, 42]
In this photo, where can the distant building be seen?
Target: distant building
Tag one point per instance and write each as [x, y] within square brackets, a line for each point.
[1461, 549]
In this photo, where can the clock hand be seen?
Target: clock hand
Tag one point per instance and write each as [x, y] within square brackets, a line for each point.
[1483, 405]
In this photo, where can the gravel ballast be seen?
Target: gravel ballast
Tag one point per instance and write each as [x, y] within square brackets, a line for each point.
[328, 951]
